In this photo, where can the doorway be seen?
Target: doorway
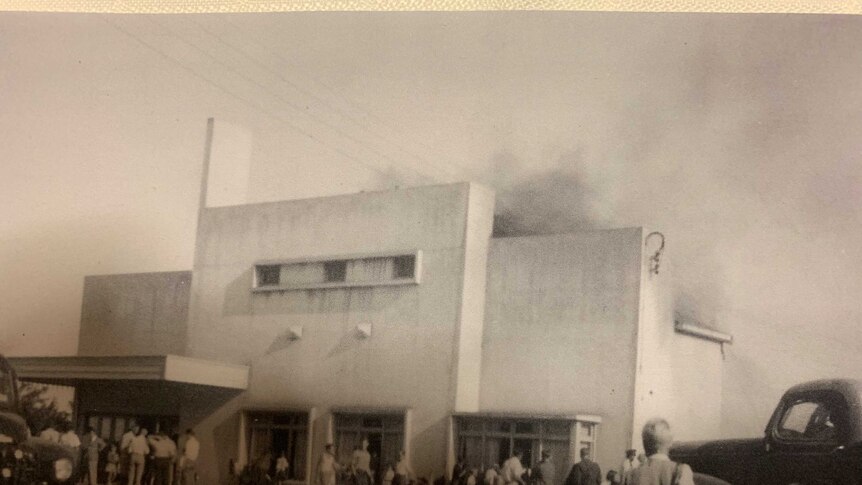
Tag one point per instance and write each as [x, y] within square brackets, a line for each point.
[385, 435]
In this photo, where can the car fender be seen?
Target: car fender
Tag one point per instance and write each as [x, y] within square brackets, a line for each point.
[702, 479]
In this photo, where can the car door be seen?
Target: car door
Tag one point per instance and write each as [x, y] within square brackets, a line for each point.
[804, 444]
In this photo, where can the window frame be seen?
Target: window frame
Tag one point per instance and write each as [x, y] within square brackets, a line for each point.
[837, 407]
[392, 280]
[303, 425]
[260, 269]
[488, 429]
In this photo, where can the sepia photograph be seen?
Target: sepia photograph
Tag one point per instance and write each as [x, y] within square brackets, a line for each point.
[430, 248]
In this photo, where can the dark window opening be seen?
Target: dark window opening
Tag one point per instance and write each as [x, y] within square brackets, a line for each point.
[372, 422]
[280, 435]
[269, 275]
[403, 266]
[335, 270]
[485, 442]
[385, 435]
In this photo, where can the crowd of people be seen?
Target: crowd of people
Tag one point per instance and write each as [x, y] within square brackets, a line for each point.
[156, 459]
[653, 467]
[138, 458]
[328, 471]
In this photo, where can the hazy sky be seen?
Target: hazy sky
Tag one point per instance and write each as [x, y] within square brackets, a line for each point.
[736, 136]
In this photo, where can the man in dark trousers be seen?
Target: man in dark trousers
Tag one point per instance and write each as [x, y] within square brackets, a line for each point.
[585, 472]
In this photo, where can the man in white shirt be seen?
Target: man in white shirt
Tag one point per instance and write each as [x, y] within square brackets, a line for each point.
[164, 452]
[361, 464]
[70, 439]
[512, 469]
[50, 434]
[138, 450]
[191, 448]
[659, 469]
[491, 475]
[125, 441]
[93, 445]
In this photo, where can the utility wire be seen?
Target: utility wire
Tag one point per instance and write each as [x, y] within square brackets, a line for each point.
[290, 103]
[255, 106]
[345, 114]
[454, 168]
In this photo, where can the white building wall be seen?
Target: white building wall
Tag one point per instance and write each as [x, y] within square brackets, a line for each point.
[678, 376]
[409, 362]
[698, 367]
[560, 330]
[557, 325]
[477, 240]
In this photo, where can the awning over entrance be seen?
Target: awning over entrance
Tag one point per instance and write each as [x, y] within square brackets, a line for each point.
[73, 370]
[586, 418]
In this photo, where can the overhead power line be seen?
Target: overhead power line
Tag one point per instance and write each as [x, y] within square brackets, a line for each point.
[291, 104]
[298, 129]
[329, 104]
[455, 168]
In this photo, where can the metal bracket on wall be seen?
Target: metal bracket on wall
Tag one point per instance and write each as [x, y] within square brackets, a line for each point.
[655, 258]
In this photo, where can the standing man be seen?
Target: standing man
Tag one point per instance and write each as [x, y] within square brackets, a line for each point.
[629, 464]
[93, 445]
[458, 470]
[138, 450]
[659, 469]
[125, 455]
[403, 472]
[545, 470]
[327, 467]
[188, 459]
[362, 464]
[585, 472]
[164, 452]
[513, 469]
[491, 475]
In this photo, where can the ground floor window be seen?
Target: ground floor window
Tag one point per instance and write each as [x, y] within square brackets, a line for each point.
[384, 432]
[280, 434]
[484, 442]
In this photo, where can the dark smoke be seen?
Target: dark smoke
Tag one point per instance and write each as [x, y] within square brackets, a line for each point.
[561, 200]
[555, 201]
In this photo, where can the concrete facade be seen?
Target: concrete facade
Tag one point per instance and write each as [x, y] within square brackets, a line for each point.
[570, 328]
[418, 356]
[562, 320]
[135, 314]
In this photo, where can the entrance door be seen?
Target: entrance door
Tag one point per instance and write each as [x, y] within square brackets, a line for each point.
[385, 435]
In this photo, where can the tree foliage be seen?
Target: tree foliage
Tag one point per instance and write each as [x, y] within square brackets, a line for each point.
[39, 409]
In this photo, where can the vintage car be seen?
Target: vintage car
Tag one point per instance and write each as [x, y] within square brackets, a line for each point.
[813, 437]
[24, 459]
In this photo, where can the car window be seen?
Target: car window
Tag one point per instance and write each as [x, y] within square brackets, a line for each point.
[5, 389]
[809, 420]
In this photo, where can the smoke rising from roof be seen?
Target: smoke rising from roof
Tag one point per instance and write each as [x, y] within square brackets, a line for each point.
[555, 201]
[563, 199]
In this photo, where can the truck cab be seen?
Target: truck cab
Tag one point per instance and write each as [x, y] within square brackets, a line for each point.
[813, 437]
[25, 460]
